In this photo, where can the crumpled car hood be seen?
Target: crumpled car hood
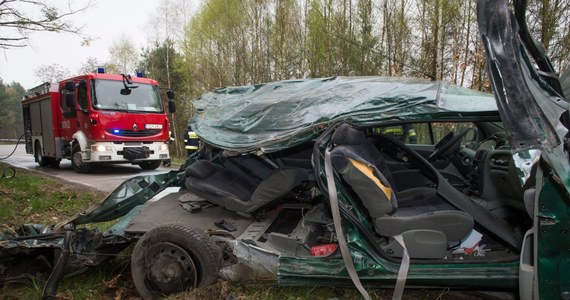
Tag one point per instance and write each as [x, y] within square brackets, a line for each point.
[273, 116]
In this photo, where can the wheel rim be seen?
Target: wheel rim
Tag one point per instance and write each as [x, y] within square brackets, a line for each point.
[77, 159]
[170, 268]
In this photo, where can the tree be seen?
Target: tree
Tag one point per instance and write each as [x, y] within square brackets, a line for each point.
[548, 23]
[168, 24]
[11, 95]
[317, 44]
[169, 20]
[368, 58]
[123, 55]
[396, 34]
[90, 65]
[159, 63]
[218, 41]
[250, 41]
[18, 19]
[52, 73]
[286, 31]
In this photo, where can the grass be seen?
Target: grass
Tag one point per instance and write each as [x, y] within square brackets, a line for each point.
[107, 281]
[28, 198]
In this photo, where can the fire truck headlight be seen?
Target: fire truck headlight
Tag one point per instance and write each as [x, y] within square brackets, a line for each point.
[163, 147]
[101, 148]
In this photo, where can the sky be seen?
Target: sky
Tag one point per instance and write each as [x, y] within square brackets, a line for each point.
[105, 21]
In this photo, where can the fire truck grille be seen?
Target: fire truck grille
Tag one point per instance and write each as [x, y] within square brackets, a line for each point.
[145, 132]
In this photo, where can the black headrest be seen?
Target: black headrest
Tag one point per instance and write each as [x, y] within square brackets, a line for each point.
[347, 135]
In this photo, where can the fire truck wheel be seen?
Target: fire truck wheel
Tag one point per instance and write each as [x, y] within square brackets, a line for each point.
[150, 164]
[38, 155]
[77, 161]
[172, 258]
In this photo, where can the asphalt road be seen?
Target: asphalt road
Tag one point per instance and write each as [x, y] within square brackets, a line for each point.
[104, 178]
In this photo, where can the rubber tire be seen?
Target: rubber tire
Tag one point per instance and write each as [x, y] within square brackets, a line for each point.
[55, 163]
[38, 155]
[150, 164]
[83, 167]
[205, 255]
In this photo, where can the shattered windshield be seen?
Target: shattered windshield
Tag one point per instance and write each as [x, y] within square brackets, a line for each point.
[108, 96]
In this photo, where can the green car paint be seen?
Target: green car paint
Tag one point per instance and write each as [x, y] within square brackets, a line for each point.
[266, 118]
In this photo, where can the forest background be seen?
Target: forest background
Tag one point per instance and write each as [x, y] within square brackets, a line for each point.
[239, 42]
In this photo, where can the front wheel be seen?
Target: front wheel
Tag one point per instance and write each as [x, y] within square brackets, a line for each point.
[173, 258]
[77, 162]
[150, 164]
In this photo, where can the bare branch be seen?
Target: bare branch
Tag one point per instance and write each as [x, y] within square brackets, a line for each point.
[19, 18]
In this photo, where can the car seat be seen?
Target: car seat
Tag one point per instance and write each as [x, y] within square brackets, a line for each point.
[238, 193]
[426, 228]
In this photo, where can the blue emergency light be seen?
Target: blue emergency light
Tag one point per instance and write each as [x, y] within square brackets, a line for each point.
[101, 70]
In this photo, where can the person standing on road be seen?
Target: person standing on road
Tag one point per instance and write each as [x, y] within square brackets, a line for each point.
[191, 141]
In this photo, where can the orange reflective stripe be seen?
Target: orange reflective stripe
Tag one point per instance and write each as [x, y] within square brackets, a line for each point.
[369, 172]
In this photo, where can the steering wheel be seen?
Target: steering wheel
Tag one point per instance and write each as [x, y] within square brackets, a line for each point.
[446, 145]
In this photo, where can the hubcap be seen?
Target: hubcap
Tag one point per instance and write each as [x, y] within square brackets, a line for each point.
[170, 268]
[77, 159]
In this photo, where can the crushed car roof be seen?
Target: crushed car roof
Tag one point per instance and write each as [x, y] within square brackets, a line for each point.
[278, 115]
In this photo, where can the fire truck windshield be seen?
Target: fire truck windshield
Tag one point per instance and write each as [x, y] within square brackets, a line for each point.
[144, 98]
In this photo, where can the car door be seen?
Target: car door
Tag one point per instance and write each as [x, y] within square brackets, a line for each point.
[535, 115]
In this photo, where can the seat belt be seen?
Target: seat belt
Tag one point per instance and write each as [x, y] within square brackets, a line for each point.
[342, 244]
[403, 271]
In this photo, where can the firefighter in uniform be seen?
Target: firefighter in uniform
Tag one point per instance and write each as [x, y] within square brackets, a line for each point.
[405, 133]
[191, 141]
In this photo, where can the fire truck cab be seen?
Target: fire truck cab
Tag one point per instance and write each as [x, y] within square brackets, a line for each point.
[97, 118]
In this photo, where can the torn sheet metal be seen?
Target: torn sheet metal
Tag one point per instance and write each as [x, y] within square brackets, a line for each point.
[253, 264]
[524, 161]
[530, 107]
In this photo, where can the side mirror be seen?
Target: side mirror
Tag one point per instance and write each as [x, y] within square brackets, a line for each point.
[171, 106]
[70, 86]
[70, 101]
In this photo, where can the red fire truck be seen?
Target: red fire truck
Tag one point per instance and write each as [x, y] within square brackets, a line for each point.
[97, 118]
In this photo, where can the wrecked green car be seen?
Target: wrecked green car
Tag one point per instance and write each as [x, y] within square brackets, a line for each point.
[363, 181]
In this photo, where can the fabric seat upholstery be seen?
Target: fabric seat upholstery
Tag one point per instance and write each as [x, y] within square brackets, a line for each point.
[236, 192]
[365, 149]
[377, 196]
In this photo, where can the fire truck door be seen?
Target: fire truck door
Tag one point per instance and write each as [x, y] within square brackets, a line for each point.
[68, 124]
